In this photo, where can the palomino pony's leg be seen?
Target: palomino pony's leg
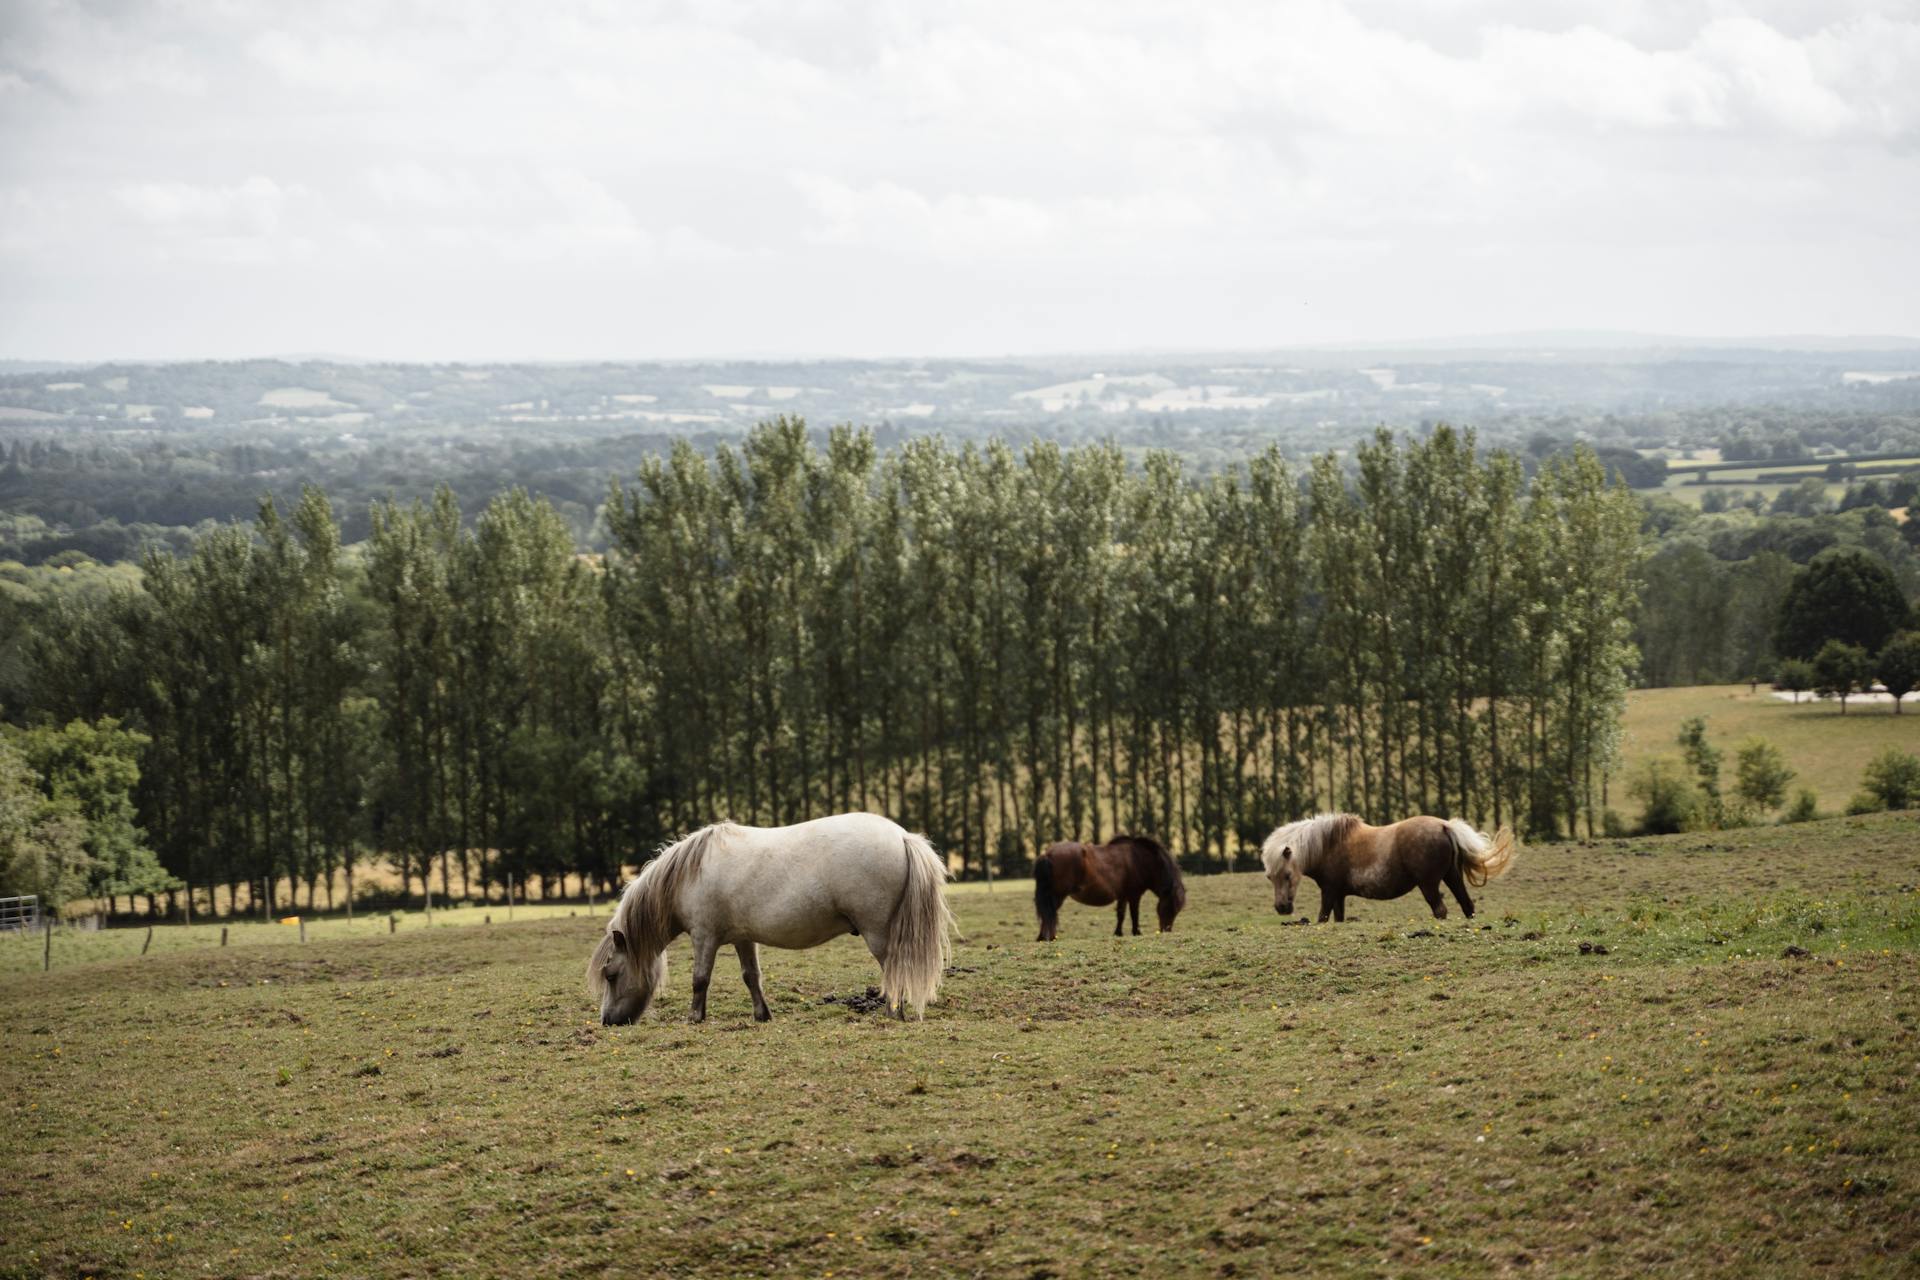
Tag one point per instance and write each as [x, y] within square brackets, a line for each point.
[1431, 891]
[749, 953]
[1458, 883]
[704, 950]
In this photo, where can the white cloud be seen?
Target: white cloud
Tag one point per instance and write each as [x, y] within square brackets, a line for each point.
[253, 205]
[896, 174]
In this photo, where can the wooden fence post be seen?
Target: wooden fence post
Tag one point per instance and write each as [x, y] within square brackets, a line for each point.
[509, 897]
[223, 935]
[46, 956]
[303, 929]
[148, 942]
[393, 922]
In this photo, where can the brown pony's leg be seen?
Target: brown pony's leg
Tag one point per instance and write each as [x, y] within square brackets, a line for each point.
[1432, 892]
[1133, 911]
[1340, 909]
[1458, 883]
[1119, 917]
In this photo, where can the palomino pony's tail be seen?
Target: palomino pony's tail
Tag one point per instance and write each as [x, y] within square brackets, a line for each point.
[1483, 858]
[918, 936]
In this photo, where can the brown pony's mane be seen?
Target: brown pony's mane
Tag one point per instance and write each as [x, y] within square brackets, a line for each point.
[645, 913]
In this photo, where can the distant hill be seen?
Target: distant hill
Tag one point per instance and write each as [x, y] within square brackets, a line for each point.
[1303, 396]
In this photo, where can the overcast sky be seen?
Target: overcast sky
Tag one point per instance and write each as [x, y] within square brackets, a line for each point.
[563, 180]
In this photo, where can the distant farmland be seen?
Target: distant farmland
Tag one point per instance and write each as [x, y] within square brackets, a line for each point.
[1690, 479]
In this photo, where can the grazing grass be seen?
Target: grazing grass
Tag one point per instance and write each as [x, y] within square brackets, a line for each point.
[1827, 750]
[1612, 1069]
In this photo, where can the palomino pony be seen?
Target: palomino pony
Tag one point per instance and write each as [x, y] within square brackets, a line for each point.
[1096, 874]
[1344, 855]
[792, 887]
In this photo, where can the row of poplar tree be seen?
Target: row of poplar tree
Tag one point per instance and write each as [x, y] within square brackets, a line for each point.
[998, 648]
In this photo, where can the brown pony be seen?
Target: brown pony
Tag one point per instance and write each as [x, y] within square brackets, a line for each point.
[1344, 855]
[1096, 874]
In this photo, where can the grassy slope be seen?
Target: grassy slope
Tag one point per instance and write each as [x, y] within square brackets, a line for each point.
[1236, 1098]
[1829, 751]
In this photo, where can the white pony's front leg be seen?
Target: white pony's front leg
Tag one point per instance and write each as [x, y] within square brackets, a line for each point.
[705, 947]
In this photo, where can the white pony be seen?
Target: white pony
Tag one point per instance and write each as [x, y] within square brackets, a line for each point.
[791, 887]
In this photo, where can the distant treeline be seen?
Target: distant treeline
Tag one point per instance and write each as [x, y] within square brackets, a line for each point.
[999, 648]
[103, 462]
[1718, 577]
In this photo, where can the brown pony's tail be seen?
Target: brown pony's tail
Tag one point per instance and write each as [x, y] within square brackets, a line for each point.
[1482, 858]
[1046, 899]
[918, 936]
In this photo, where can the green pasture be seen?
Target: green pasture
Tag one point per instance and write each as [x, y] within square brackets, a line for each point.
[1687, 1055]
[1827, 750]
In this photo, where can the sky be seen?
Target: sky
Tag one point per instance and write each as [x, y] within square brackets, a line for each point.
[579, 179]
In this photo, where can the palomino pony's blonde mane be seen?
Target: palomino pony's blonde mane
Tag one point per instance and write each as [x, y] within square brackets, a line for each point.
[1307, 838]
[645, 913]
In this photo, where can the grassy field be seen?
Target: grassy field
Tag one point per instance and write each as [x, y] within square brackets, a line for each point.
[1829, 751]
[1679, 477]
[1613, 1069]
[81, 946]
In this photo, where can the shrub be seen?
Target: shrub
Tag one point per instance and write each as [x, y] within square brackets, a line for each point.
[1704, 759]
[1893, 779]
[1613, 825]
[1805, 807]
[1670, 802]
[1864, 802]
[1761, 774]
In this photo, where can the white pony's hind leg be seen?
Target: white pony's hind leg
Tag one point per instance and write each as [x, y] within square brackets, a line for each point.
[749, 953]
[876, 940]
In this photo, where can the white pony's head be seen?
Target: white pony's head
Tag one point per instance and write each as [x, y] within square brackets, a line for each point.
[623, 979]
[629, 964]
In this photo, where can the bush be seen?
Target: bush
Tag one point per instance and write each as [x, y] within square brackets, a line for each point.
[1864, 802]
[1893, 779]
[1613, 825]
[1670, 802]
[1762, 774]
[1805, 807]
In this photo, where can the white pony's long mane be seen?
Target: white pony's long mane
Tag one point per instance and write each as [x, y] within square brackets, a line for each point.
[1307, 838]
[645, 910]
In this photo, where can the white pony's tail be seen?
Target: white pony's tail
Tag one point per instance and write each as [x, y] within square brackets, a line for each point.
[918, 936]
[1483, 858]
